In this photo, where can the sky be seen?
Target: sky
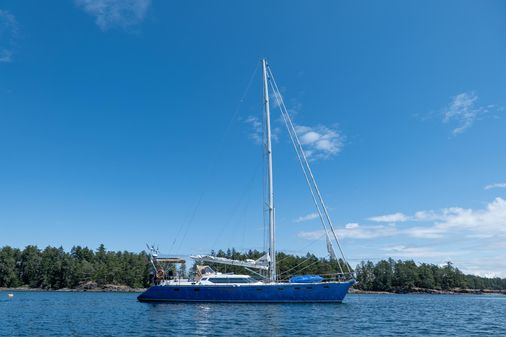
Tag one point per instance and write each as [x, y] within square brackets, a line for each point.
[139, 121]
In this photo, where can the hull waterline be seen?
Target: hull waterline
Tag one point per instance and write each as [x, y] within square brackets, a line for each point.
[328, 292]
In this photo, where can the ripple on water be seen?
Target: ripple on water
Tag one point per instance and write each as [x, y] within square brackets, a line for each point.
[119, 314]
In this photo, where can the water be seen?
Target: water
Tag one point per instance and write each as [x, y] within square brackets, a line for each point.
[119, 314]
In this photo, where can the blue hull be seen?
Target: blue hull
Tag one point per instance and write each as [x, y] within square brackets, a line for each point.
[265, 293]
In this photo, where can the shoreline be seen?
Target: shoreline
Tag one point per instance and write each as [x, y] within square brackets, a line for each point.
[112, 288]
[423, 291]
[106, 289]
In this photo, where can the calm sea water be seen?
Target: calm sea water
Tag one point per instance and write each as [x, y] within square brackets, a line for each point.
[119, 314]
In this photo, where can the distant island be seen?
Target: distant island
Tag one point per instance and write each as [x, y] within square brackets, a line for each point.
[85, 269]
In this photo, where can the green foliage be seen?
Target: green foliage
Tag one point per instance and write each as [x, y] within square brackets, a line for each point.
[405, 275]
[9, 274]
[426, 277]
[390, 275]
[365, 272]
[30, 267]
[53, 268]
[383, 275]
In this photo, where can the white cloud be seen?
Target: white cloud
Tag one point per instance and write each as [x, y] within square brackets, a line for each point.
[256, 132]
[353, 231]
[115, 13]
[497, 185]
[395, 217]
[356, 231]
[402, 251]
[463, 110]
[424, 232]
[294, 106]
[491, 266]
[480, 263]
[473, 238]
[5, 55]
[491, 220]
[8, 35]
[425, 216]
[312, 235]
[256, 126]
[320, 142]
[275, 98]
[306, 217]
[486, 222]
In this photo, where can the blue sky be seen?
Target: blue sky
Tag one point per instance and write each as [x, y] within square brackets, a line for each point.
[125, 122]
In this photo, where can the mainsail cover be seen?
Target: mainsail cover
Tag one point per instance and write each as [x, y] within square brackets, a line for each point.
[262, 263]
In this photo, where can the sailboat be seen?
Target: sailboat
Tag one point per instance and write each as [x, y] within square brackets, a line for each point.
[211, 286]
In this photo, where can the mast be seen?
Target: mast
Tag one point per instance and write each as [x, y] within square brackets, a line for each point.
[270, 201]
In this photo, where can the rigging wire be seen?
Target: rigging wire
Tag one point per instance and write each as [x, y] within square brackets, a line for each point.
[310, 180]
[312, 264]
[303, 249]
[309, 258]
[187, 224]
[237, 206]
[277, 95]
[283, 107]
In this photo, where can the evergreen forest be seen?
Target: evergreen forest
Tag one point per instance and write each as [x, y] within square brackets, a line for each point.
[54, 268]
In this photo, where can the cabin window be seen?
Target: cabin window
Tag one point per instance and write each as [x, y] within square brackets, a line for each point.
[309, 287]
[325, 286]
[176, 289]
[297, 288]
[231, 280]
[196, 289]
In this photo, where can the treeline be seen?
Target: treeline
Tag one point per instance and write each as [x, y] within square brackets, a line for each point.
[288, 265]
[390, 275]
[386, 275]
[54, 268]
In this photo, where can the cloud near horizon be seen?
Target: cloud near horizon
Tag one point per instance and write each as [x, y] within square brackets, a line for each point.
[463, 232]
[353, 231]
[416, 252]
[491, 220]
[396, 217]
[483, 223]
[115, 13]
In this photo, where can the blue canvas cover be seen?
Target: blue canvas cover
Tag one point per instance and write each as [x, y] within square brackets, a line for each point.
[306, 279]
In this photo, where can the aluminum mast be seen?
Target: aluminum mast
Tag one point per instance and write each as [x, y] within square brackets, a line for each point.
[270, 202]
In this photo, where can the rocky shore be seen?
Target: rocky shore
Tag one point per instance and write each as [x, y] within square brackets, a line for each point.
[455, 291]
[84, 287]
[93, 287]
